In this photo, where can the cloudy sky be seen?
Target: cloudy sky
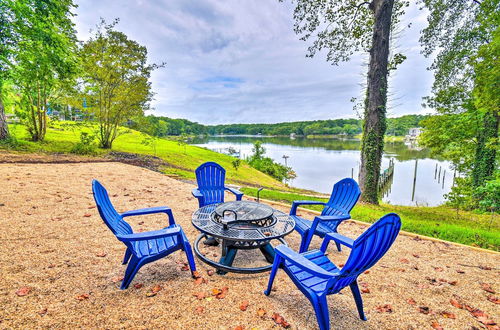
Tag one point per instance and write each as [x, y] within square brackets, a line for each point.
[239, 61]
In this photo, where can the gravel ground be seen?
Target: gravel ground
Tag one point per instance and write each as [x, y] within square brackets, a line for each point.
[60, 265]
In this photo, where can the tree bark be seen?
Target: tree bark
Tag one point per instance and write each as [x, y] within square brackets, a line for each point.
[4, 129]
[485, 160]
[374, 125]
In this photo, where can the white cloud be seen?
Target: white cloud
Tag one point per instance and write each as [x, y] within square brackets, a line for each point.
[240, 61]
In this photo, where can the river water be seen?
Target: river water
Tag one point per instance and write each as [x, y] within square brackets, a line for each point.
[319, 163]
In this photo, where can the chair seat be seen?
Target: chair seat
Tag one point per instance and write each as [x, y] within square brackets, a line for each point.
[307, 279]
[302, 225]
[153, 247]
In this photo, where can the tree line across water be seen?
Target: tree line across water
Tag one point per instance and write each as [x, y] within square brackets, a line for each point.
[164, 126]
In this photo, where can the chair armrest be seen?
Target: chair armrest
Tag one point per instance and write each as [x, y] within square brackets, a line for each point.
[236, 192]
[151, 210]
[302, 262]
[170, 231]
[196, 193]
[295, 204]
[337, 238]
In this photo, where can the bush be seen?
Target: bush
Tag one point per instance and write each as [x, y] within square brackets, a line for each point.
[86, 146]
[267, 165]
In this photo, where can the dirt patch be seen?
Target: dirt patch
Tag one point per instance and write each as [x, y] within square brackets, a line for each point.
[60, 266]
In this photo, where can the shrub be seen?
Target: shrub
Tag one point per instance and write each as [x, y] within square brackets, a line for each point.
[86, 146]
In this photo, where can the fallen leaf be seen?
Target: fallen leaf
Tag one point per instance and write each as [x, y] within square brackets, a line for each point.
[438, 269]
[460, 271]
[266, 233]
[484, 267]
[424, 310]
[416, 255]
[341, 265]
[196, 274]
[478, 313]
[116, 279]
[239, 327]
[91, 207]
[216, 291]
[384, 308]
[411, 301]
[138, 285]
[487, 287]
[150, 294]
[199, 310]
[199, 295]
[366, 272]
[436, 325]
[261, 312]
[404, 260]
[101, 254]
[448, 315]
[141, 223]
[23, 291]
[486, 321]
[455, 303]
[42, 312]
[83, 296]
[185, 268]
[86, 215]
[157, 288]
[200, 280]
[210, 272]
[494, 300]
[244, 305]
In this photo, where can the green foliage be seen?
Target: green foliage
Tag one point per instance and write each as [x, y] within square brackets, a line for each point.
[43, 62]
[267, 164]
[236, 163]
[86, 146]
[115, 80]
[489, 195]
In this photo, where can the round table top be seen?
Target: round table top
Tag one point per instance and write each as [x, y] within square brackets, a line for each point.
[203, 219]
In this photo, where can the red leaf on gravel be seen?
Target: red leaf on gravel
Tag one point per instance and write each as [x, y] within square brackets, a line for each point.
[278, 319]
[486, 321]
[199, 310]
[455, 303]
[185, 268]
[199, 295]
[478, 313]
[487, 287]
[150, 294]
[86, 215]
[82, 296]
[411, 301]
[448, 315]
[384, 308]
[365, 290]
[416, 255]
[404, 260]
[239, 327]
[141, 223]
[261, 312]
[157, 288]
[438, 269]
[200, 280]
[484, 267]
[424, 310]
[244, 305]
[101, 254]
[196, 274]
[138, 285]
[366, 272]
[341, 265]
[460, 271]
[436, 325]
[116, 279]
[494, 300]
[23, 291]
[210, 272]
[91, 207]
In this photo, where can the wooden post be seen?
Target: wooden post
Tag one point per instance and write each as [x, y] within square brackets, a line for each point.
[352, 172]
[444, 174]
[414, 180]
[436, 171]
[439, 176]
[454, 176]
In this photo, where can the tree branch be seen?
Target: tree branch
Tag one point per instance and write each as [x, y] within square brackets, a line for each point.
[357, 11]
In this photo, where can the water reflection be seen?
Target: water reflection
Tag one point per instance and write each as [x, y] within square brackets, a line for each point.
[319, 163]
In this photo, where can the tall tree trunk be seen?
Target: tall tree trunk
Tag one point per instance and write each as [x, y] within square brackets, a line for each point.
[375, 104]
[485, 160]
[4, 129]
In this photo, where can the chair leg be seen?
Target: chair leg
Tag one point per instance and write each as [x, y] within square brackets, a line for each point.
[127, 256]
[320, 306]
[304, 243]
[190, 258]
[133, 266]
[339, 246]
[274, 270]
[357, 298]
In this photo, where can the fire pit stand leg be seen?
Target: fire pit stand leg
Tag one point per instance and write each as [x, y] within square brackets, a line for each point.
[228, 255]
[268, 252]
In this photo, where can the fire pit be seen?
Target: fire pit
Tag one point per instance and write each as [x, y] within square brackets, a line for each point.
[241, 225]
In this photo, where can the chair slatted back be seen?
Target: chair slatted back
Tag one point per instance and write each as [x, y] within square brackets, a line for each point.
[210, 177]
[108, 213]
[368, 248]
[344, 196]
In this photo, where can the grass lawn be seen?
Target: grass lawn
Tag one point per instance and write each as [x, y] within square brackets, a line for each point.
[441, 222]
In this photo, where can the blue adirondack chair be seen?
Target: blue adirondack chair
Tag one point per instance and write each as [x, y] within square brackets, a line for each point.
[146, 247]
[210, 177]
[316, 276]
[344, 196]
